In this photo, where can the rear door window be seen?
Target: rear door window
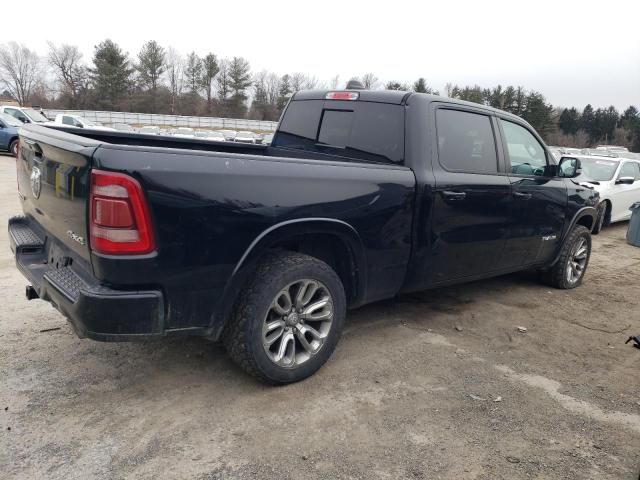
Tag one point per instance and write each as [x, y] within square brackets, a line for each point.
[466, 142]
[362, 130]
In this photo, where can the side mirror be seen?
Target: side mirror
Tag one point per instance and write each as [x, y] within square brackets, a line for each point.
[2, 126]
[569, 167]
[625, 181]
[24, 119]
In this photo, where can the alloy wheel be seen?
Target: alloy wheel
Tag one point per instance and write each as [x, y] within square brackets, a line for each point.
[577, 260]
[297, 323]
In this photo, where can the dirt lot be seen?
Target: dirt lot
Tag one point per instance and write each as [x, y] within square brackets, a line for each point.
[406, 394]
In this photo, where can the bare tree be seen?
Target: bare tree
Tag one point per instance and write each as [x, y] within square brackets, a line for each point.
[19, 71]
[370, 81]
[300, 81]
[174, 70]
[72, 76]
[333, 83]
[272, 82]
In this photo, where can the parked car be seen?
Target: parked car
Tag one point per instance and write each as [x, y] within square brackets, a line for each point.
[245, 137]
[617, 180]
[267, 139]
[265, 247]
[150, 130]
[229, 135]
[211, 136]
[24, 114]
[79, 122]
[184, 132]
[123, 127]
[9, 140]
[217, 136]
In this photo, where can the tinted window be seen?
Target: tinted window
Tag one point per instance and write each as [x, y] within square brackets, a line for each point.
[525, 152]
[363, 130]
[630, 169]
[466, 142]
[335, 128]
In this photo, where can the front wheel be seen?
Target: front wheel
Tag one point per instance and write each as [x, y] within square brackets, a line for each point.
[288, 319]
[572, 263]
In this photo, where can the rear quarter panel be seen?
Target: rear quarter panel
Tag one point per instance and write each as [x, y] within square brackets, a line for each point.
[208, 208]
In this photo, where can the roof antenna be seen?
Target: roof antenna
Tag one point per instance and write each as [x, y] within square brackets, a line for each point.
[355, 85]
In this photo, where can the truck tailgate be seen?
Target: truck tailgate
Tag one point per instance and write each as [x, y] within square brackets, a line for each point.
[53, 183]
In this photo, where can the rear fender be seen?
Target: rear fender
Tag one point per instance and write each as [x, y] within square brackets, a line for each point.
[279, 233]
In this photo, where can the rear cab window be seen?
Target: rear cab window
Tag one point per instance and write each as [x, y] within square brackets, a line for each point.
[466, 142]
[368, 131]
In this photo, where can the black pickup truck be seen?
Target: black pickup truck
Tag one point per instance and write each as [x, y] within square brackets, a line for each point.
[362, 195]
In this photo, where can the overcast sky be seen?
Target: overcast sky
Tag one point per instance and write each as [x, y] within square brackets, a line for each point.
[574, 52]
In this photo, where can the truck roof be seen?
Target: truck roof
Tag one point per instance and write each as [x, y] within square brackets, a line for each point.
[398, 97]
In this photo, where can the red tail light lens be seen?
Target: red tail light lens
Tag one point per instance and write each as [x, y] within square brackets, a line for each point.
[120, 223]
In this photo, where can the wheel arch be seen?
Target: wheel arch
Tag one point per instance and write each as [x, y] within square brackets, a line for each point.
[333, 241]
[586, 216]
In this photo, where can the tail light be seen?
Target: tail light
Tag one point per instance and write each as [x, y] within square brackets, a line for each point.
[119, 219]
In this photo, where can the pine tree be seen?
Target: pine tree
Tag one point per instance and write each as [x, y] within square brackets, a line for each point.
[538, 113]
[588, 122]
[110, 75]
[569, 121]
[240, 77]
[420, 86]
[151, 65]
[193, 72]
[393, 85]
[284, 92]
[210, 69]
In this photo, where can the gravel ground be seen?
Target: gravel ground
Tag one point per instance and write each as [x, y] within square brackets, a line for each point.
[439, 384]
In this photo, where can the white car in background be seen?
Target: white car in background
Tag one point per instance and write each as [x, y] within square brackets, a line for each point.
[77, 121]
[229, 135]
[24, 114]
[617, 180]
[245, 137]
[184, 132]
[150, 130]
[210, 136]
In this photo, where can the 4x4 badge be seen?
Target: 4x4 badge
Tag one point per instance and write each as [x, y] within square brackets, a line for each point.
[36, 182]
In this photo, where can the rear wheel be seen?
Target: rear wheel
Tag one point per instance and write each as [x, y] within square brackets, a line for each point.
[572, 263]
[288, 320]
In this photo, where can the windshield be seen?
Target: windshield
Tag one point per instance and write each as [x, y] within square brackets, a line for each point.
[10, 120]
[598, 170]
[35, 115]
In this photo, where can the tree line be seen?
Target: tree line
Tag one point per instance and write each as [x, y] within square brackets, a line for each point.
[161, 80]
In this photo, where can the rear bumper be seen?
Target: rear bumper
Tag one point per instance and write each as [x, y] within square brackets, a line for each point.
[95, 311]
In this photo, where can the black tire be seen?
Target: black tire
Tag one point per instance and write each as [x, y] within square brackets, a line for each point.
[243, 335]
[557, 276]
[600, 219]
[13, 148]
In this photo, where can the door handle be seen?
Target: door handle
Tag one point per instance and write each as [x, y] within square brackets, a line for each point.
[453, 195]
[522, 196]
